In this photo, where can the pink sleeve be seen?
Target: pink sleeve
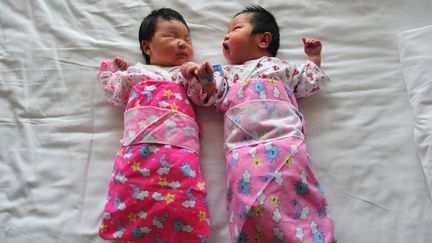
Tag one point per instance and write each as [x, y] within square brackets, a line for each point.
[111, 78]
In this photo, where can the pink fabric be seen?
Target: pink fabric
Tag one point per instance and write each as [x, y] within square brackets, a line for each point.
[157, 192]
[273, 195]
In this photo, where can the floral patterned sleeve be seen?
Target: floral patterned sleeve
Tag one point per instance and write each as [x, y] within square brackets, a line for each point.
[117, 83]
[306, 79]
[110, 76]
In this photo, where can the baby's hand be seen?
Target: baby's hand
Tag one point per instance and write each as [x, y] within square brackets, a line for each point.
[312, 47]
[121, 63]
[204, 73]
[188, 69]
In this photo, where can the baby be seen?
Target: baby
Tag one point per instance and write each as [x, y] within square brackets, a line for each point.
[272, 194]
[157, 192]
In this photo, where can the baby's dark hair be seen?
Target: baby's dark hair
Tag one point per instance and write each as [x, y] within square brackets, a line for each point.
[263, 21]
[148, 25]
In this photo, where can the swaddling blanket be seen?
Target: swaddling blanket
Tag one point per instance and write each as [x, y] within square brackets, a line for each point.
[272, 194]
[157, 192]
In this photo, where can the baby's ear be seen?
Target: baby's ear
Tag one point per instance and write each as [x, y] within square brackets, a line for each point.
[264, 40]
[145, 45]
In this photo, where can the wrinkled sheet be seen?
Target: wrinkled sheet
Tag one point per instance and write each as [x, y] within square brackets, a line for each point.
[59, 135]
[416, 60]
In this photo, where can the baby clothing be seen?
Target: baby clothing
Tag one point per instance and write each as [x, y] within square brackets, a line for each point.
[157, 192]
[272, 193]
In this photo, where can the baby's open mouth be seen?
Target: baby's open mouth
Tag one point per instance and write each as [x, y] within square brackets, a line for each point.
[225, 46]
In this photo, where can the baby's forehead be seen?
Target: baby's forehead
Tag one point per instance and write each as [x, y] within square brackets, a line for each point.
[242, 18]
[171, 24]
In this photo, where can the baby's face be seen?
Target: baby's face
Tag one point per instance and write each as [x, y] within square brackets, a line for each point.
[239, 44]
[171, 44]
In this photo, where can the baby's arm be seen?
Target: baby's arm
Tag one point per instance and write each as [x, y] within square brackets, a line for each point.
[111, 76]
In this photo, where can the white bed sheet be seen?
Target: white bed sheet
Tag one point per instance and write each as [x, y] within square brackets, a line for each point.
[416, 60]
[59, 136]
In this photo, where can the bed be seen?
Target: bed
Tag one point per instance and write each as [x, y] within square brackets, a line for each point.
[369, 131]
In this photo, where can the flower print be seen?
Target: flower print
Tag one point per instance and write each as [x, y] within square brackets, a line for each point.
[201, 185]
[273, 82]
[178, 225]
[244, 186]
[118, 204]
[259, 211]
[272, 153]
[138, 232]
[318, 237]
[256, 163]
[275, 200]
[236, 78]
[202, 215]
[302, 188]
[259, 87]
[103, 228]
[289, 161]
[169, 198]
[186, 169]
[144, 151]
[132, 217]
[174, 107]
[242, 238]
[167, 93]
[136, 166]
[163, 181]
[287, 71]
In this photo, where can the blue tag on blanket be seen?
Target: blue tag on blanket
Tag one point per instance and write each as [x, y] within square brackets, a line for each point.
[218, 68]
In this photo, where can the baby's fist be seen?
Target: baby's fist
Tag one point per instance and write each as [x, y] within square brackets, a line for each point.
[312, 47]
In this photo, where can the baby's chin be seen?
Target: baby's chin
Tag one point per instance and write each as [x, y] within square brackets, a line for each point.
[230, 59]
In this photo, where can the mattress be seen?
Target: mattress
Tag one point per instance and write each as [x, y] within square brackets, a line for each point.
[59, 135]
